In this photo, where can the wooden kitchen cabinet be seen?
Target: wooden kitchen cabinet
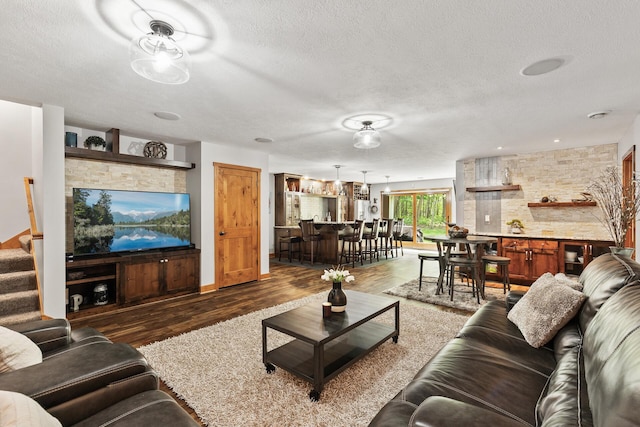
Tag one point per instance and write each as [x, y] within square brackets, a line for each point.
[530, 258]
[585, 250]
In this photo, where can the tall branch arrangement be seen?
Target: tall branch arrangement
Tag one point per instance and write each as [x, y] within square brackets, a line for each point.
[619, 203]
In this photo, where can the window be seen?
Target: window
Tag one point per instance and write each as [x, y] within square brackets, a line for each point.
[429, 209]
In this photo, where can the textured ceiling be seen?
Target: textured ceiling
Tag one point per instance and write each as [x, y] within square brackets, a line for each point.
[447, 72]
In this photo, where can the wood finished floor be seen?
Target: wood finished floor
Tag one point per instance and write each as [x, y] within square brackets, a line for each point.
[147, 323]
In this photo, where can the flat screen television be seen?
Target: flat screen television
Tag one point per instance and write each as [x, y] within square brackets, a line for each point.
[106, 221]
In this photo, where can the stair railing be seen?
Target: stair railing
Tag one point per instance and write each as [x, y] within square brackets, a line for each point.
[35, 235]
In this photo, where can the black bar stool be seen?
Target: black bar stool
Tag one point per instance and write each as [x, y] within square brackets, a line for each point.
[352, 253]
[428, 256]
[290, 243]
[310, 238]
[469, 265]
[503, 264]
[371, 241]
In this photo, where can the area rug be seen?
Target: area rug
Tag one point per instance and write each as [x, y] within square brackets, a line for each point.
[218, 370]
[462, 296]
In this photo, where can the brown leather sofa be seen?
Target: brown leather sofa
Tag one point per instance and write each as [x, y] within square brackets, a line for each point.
[85, 379]
[589, 374]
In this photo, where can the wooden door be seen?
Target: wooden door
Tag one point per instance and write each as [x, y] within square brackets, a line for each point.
[543, 257]
[628, 178]
[237, 224]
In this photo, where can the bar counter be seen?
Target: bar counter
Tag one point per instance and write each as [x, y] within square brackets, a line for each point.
[329, 246]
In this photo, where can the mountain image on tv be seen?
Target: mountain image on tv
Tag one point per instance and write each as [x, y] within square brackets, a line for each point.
[115, 221]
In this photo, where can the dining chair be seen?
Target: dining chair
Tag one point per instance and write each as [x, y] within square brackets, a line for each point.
[354, 241]
[467, 265]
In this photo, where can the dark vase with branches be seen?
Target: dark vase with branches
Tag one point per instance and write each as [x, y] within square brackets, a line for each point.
[619, 204]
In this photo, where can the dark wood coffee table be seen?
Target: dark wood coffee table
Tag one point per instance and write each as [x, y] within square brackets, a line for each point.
[324, 347]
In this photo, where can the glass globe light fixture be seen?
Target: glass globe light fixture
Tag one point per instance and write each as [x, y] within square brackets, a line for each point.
[367, 137]
[387, 189]
[364, 189]
[157, 57]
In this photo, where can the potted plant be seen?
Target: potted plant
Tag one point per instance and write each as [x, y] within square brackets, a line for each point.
[619, 205]
[95, 141]
[516, 226]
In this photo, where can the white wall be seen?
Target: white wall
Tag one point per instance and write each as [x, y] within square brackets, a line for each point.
[200, 183]
[50, 200]
[33, 145]
[15, 164]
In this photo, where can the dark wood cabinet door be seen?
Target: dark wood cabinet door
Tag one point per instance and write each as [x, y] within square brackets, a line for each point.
[543, 257]
[181, 273]
[142, 280]
[518, 251]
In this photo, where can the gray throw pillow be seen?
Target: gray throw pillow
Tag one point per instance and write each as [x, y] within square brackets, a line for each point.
[544, 309]
[565, 280]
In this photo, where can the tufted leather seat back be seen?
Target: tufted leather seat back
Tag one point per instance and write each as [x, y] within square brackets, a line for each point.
[602, 278]
[612, 360]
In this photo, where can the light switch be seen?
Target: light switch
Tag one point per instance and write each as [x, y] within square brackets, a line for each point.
[487, 219]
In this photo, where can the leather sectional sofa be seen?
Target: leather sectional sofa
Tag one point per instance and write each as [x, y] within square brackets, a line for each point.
[86, 380]
[588, 374]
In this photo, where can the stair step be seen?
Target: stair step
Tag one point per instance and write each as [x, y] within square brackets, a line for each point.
[15, 260]
[25, 242]
[19, 302]
[20, 318]
[18, 281]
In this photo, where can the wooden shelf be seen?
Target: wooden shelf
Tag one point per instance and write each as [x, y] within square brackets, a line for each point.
[106, 156]
[561, 204]
[494, 188]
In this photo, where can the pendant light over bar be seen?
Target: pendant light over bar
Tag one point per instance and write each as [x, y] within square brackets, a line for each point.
[364, 189]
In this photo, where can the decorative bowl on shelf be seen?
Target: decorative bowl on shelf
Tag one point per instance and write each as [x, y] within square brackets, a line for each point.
[570, 256]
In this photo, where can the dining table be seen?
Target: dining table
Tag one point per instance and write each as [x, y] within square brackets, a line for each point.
[445, 243]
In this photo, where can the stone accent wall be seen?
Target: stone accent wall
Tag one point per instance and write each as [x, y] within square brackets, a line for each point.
[563, 174]
[81, 173]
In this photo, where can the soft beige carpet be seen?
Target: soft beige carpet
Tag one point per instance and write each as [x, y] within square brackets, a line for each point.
[462, 297]
[218, 371]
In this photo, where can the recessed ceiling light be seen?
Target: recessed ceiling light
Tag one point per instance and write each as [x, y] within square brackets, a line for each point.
[556, 140]
[543, 67]
[499, 148]
[264, 140]
[167, 115]
[598, 114]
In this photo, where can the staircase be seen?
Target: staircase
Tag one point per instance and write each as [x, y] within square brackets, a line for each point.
[19, 299]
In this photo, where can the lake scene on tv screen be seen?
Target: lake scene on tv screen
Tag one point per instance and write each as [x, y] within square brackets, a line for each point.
[119, 221]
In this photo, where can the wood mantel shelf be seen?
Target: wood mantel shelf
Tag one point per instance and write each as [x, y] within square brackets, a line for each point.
[561, 204]
[106, 156]
[494, 188]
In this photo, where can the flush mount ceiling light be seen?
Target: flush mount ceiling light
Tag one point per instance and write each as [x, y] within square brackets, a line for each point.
[364, 189]
[367, 137]
[157, 57]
